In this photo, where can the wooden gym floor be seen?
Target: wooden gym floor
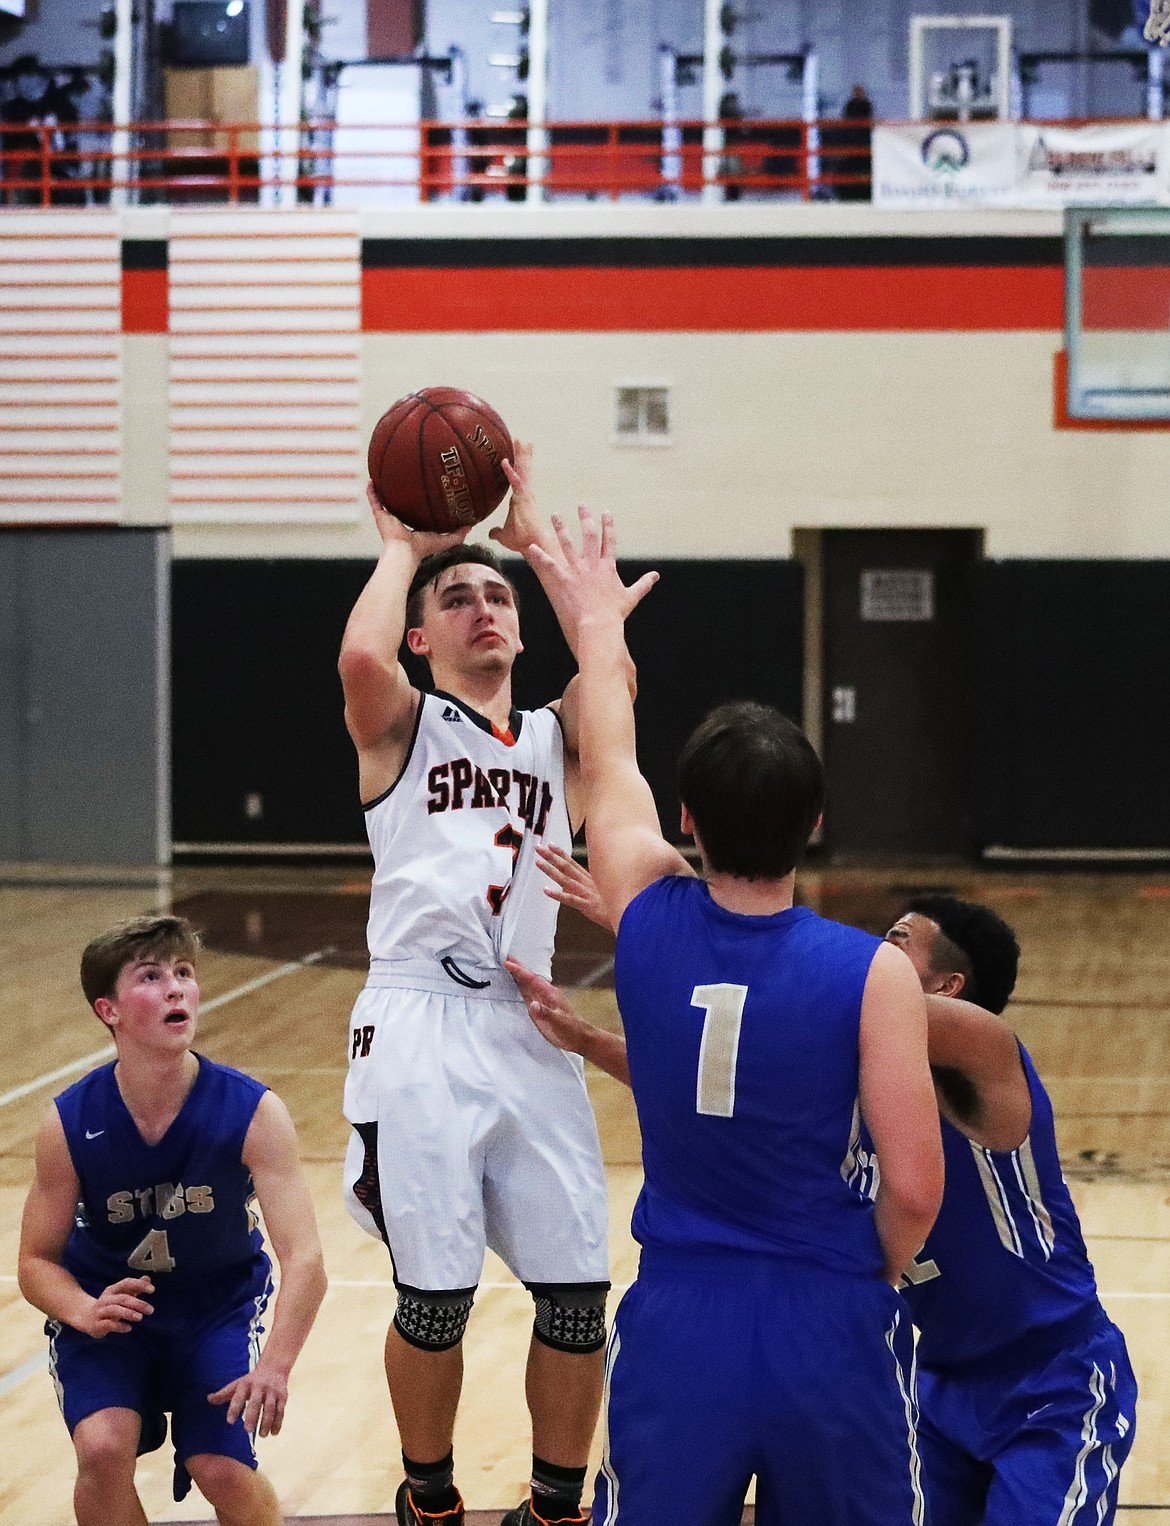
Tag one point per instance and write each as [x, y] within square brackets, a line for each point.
[283, 964]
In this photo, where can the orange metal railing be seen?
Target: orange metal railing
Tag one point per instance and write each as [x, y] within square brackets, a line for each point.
[190, 161]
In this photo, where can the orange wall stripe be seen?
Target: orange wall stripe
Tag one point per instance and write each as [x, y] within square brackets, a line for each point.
[145, 302]
[754, 299]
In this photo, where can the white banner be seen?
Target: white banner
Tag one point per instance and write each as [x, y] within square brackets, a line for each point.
[1115, 164]
[941, 164]
[1021, 164]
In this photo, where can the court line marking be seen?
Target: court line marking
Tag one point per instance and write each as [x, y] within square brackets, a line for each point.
[108, 1051]
[594, 976]
[17, 1375]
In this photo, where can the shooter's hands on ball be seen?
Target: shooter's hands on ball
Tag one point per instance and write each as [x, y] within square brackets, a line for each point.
[573, 884]
[549, 1010]
[522, 528]
[119, 1308]
[421, 542]
[585, 585]
[259, 1398]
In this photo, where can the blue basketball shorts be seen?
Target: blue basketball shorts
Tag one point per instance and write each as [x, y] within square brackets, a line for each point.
[732, 1367]
[168, 1367]
[1013, 1446]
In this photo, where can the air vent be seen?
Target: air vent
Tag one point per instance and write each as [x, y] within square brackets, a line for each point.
[642, 413]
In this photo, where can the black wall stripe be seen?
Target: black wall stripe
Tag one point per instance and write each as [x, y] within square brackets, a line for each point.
[509, 253]
[1132, 249]
[144, 254]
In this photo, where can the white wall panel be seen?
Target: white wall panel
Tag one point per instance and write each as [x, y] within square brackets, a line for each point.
[60, 368]
[263, 406]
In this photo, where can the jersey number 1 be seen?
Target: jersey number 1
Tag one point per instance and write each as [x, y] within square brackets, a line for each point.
[719, 1047]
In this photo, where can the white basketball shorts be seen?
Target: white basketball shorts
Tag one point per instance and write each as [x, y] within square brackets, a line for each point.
[470, 1130]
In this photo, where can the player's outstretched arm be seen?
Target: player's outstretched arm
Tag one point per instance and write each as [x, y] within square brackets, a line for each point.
[270, 1154]
[549, 1009]
[984, 1051]
[627, 851]
[898, 1104]
[379, 701]
[45, 1229]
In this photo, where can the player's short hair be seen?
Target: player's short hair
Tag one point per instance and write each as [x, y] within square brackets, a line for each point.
[976, 943]
[142, 938]
[432, 566]
[754, 786]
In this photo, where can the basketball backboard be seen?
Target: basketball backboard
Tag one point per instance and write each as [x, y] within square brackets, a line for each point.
[1117, 313]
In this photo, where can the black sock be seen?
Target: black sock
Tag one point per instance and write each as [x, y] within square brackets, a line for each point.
[432, 1484]
[556, 1491]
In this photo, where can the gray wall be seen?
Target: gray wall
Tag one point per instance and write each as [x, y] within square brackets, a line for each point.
[60, 31]
[84, 696]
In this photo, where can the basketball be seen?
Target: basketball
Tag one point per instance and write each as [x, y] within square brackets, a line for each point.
[435, 459]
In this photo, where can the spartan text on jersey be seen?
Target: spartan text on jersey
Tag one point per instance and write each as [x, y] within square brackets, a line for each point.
[459, 784]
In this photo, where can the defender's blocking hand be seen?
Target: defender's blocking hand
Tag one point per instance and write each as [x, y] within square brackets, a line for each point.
[586, 583]
[548, 1009]
[573, 884]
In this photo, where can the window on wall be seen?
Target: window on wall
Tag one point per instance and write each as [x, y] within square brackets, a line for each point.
[642, 413]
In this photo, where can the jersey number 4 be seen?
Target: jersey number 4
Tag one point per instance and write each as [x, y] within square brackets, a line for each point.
[153, 1254]
[719, 1047]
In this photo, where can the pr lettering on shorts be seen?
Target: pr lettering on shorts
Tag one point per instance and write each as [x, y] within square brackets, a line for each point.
[363, 1037]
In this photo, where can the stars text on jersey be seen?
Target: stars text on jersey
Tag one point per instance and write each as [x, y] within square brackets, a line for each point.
[166, 1200]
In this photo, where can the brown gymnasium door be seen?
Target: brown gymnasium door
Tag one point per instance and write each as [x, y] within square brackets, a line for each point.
[897, 692]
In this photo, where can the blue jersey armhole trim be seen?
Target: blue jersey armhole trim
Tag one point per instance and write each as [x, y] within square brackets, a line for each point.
[368, 805]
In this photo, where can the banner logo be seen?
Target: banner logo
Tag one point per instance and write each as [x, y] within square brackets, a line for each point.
[1096, 163]
[945, 151]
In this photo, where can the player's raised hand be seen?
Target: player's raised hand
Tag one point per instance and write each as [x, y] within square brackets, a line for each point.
[548, 1009]
[258, 1398]
[586, 582]
[523, 527]
[120, 1307]
[573, 885]
[421, 542]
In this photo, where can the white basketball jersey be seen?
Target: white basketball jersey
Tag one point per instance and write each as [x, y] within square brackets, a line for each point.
[456, 879]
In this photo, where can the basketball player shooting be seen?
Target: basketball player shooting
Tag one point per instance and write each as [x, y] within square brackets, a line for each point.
[468, 1130]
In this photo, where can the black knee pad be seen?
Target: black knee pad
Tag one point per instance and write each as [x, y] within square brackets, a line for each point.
[570, 1316]
[432, 1321]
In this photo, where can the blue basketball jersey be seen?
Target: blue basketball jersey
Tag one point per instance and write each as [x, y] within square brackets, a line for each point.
[1005, 1263]
[179, 1211]
[742, 1033]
